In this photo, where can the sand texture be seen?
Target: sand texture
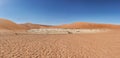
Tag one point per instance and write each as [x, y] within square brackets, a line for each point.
[95, 45]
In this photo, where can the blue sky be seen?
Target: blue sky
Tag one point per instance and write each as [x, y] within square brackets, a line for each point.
[54, 12]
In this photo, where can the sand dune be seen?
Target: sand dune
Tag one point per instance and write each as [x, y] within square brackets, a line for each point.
[9, 25]
[34, 26]
[21, 44]
[84, 25]
[77, 25]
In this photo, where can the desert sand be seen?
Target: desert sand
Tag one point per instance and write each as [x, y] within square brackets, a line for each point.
[86, 25]
[16, 42]
[95, 45]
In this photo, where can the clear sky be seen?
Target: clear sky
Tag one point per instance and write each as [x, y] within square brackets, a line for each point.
[61, 11]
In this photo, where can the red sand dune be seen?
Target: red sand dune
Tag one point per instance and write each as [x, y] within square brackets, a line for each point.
[9, 25]
[84, 25]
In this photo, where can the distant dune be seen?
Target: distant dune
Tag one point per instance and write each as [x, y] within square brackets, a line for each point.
[84, 25]
[9, 25]
[34, 26]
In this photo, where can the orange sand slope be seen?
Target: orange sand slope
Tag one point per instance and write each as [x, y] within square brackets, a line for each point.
[84, 25]
[99, 45]
[9, 25]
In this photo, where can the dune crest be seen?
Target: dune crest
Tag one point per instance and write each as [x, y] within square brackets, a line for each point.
[85, 25]
[9, 25]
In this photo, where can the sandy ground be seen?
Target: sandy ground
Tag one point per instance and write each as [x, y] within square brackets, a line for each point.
[95, 45]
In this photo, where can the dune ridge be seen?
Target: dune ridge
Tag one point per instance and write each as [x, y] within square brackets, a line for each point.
[85, 25]
[9, 25]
